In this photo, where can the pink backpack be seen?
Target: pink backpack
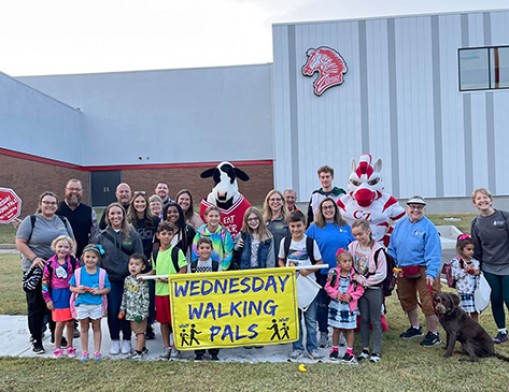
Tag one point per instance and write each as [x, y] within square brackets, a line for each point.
[74, 296]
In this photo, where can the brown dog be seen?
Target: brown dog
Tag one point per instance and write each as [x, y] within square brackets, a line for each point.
[460, 327]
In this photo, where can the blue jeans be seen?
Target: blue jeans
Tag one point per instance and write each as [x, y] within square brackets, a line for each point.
[115, 324]
[310, 320]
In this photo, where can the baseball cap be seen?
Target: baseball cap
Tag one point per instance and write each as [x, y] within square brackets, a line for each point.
[416, 199]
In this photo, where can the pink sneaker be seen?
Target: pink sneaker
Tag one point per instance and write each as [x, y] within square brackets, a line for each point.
[97, 356]
[58, 353]
[84, 356]
[71, 352]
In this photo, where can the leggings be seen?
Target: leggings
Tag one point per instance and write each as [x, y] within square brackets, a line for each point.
[370, 306]
[499, 294]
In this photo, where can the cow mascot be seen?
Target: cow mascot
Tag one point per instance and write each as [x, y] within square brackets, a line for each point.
[366, 199]
[225, 195]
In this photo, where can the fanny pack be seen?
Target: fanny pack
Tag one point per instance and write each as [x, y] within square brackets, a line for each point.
[412, 271]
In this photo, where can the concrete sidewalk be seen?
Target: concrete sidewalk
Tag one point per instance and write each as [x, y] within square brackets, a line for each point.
[14, 342]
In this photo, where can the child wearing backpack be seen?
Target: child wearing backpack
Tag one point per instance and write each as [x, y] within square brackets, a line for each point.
[56, 293]
[465, 272]
[220, 237]
[205, 264]
[167, 261]
[295, 251]
[90, 286]
[345, 293]
[370, 268]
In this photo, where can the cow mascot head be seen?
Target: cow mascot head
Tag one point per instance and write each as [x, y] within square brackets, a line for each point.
[366, 199]
[225, 195]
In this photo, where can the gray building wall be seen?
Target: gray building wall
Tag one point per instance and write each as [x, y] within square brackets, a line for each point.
[168, 116]
[34, 123]
[400, 101]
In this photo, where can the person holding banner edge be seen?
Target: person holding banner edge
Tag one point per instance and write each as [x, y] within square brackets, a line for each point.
[296, 253]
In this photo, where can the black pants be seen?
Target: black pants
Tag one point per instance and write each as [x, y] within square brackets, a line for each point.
[37, 313]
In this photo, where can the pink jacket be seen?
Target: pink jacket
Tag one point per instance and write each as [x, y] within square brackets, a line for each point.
[377, 269]
[355, 292]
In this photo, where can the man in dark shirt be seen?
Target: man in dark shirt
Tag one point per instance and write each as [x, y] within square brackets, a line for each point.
[82, 217]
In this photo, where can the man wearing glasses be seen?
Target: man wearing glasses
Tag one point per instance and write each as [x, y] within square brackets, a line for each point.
[82, 217]
[415, 245]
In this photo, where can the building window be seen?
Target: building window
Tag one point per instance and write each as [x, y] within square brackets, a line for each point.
[483, 68]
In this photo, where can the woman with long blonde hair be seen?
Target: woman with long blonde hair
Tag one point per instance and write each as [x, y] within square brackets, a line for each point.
[254, 247]
[275, 215]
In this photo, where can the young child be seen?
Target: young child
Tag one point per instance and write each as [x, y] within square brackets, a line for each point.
[56, 293]
[89, 285]
[136, 301]
[168, 260]
[371, 270]
[220, 237]
[298, 255]
[205, 264]
[344, 292]
[465, 271]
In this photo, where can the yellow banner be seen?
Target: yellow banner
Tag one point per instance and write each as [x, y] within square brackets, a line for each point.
[234, 308]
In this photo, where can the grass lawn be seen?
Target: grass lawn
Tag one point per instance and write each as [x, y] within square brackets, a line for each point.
[405, 366]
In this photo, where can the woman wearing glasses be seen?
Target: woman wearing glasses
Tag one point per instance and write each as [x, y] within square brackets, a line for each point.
[33, 240]
[254, 246]
[331, 233]
[275, 215]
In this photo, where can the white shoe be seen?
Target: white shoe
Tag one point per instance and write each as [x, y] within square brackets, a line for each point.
[126, 347]
[115, 347]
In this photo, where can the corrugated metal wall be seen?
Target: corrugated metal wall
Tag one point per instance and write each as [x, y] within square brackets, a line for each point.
[400, 102]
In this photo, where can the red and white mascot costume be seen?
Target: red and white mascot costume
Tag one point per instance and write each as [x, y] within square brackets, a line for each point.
[226, 196]
[366, 199]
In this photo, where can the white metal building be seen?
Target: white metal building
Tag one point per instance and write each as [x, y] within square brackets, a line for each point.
[427, 94]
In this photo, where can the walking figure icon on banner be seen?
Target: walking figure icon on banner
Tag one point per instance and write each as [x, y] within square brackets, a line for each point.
[183, 335]
[285, 328]
[275, 327]
[194, 332]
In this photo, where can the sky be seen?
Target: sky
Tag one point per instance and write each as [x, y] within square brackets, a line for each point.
[68, 37]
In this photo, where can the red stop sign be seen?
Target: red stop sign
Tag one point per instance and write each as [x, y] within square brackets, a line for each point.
[10, 205]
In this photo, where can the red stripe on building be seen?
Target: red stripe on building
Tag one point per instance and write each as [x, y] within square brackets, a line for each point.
[155, 166]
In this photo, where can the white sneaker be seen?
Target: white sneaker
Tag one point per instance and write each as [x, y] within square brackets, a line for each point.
[126, 347]
[314, 354]
[166, 354]
[115, 347]
[295, 355]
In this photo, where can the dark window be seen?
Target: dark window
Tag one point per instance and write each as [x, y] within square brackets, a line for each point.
[483, 68]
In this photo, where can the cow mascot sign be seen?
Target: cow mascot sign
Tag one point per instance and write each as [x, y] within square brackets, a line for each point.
[366, 199]
[225, 195]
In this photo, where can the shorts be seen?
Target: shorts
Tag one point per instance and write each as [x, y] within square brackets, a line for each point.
[407, 293]
[163, 311]
[467, 302]
[94, 312]
[59, 315]
[138, 327]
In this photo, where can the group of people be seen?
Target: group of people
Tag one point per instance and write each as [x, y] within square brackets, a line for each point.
[147, 235]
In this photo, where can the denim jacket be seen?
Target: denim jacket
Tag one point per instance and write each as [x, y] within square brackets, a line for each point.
[265, 253]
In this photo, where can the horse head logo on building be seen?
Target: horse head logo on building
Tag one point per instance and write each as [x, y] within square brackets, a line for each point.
[330, 66]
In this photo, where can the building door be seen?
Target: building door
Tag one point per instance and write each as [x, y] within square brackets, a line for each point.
[103, 187]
